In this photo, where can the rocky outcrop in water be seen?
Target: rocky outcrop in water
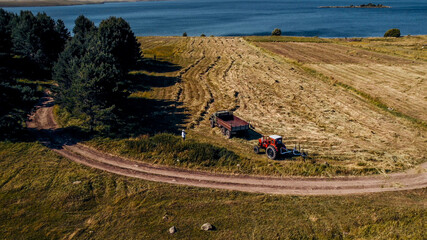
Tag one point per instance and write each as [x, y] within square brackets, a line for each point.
[369, 5]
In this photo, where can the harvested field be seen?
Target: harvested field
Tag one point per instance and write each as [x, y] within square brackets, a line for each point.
[277, 97]
[398, 82]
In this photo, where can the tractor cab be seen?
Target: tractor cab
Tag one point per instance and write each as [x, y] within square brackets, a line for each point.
[274, 146]
[276, 140]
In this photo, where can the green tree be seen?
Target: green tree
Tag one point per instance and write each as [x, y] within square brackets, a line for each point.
[83, 26]
[394, 32]
[117, 38]
[276, 32]
[5, 31]
[15, 102]
[91, 71]
[38, 37]
[69, 61]
[95, 87]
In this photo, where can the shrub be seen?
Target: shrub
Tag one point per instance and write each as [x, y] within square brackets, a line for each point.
[276, 32]
[203, 35]
[184, 34]
[394, 32]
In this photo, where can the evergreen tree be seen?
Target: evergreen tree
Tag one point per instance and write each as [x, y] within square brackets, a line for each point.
[91, 71]
[5, 31]
[96, 86]
[38, 37]
[83, 26]
[118, 39]
[69, 61]
[15, 101]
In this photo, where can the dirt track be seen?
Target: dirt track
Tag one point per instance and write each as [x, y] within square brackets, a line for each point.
[42, 122]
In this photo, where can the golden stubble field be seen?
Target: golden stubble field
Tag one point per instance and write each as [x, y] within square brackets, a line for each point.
[277, 96]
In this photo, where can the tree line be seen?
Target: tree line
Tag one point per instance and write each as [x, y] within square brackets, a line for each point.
[89, 69]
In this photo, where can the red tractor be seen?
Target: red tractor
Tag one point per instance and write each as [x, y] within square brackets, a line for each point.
[274, 146]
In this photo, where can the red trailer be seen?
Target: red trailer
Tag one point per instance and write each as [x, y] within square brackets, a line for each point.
[228, 123]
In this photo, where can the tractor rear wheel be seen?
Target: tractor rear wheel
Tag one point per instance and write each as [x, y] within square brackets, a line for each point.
[256, 149]
[228, 133]
[271, 152]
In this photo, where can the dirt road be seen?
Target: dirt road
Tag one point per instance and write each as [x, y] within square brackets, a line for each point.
[42, 123]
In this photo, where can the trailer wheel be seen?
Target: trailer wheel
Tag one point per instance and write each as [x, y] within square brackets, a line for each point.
[271, 152]
[212, 124]
[223, 131]
[256, 149]
[228, 133]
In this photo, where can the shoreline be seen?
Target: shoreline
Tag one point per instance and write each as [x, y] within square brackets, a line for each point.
[52, 3]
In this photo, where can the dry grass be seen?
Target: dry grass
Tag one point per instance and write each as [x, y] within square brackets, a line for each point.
[48, 197]
[278, 95]
[411, 47]
[397, 82]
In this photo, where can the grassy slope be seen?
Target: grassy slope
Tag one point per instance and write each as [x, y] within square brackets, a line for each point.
[39, 200]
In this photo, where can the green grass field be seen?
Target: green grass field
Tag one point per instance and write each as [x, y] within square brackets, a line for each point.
[44, 196]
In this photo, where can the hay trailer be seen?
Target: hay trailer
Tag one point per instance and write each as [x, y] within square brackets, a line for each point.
[228, 123]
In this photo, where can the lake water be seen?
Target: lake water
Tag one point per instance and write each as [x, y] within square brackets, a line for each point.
[253, 17]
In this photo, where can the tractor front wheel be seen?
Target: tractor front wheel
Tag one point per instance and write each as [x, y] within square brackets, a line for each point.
[212, 124]
[271, 152]
[256, 149]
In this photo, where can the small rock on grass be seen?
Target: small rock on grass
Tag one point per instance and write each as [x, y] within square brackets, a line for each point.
[172, 230]
[207, 227]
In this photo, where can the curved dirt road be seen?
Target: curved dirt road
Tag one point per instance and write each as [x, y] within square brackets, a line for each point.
[43, 123]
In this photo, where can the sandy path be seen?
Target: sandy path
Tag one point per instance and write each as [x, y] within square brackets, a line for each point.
[43, 122]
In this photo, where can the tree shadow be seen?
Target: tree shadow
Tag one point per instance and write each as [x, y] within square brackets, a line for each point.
[22, 67]
[57, 138]
[151, 116]
[140, 115]
[154, 65]
[144, 82]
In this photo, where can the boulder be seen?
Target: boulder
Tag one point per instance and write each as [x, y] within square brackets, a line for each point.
[207, 227]
[172, 230]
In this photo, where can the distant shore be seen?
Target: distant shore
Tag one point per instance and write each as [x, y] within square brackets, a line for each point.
[43, 3]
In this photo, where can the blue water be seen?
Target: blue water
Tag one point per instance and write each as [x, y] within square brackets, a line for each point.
[253, 17]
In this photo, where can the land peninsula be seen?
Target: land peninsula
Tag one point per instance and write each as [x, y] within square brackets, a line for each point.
[39, 3]
[369, 5]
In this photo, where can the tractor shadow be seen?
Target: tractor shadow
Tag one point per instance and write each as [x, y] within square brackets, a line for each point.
[283, 157]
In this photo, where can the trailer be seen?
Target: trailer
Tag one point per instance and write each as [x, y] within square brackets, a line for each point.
[228, 123]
